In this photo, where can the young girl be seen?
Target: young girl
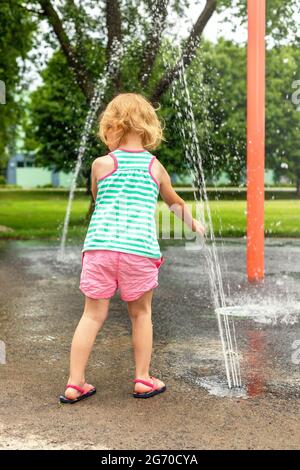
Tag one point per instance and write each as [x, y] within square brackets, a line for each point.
[121, 250]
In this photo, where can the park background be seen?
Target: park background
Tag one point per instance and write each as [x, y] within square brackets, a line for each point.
[53, 52]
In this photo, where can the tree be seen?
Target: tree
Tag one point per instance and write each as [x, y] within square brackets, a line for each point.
[17, 27]
[281, 16]
[120, 17]
[217, 85]
[283, 117]
[56, 116]
[156, 10]
[217, 81]
[57, 112]
[77, 53]
[85, 31]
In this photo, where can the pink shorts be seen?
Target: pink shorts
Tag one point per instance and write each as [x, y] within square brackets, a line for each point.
[105, 271]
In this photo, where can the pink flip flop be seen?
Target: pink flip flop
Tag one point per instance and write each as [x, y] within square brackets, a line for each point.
[154, 388]
[84, 394]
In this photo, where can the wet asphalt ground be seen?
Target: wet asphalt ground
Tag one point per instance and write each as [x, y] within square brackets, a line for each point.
[41, 304]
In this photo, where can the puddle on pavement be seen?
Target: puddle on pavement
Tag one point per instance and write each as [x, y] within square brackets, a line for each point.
[219, 387]
[199, 362]
[267, 313]
[266, 318]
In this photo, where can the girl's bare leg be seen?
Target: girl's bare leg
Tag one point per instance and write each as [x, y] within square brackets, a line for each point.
[94, 314]
[140, 314]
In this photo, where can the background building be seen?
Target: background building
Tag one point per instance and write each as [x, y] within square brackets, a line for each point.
[22, 171]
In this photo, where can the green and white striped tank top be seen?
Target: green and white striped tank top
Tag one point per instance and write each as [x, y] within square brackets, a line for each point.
[124, 215]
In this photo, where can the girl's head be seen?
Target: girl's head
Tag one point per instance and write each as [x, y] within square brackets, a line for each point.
[130, 113]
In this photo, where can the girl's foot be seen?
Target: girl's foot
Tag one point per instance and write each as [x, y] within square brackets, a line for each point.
[141, 388]
[84, 392]
[72, 394]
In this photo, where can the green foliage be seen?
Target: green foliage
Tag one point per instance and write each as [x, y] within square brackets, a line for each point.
[17, 27]
[217, 82]
[281, 18]
[57, 112]
[217, 85]
[56, 118]
[283, 118]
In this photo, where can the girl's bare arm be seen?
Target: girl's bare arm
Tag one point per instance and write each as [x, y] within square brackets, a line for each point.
[101, 166]
[176, 203]
[94, 187]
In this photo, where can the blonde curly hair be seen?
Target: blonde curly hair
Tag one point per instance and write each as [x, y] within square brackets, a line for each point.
[132, 112]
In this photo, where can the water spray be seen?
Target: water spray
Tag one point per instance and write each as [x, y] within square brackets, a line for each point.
[192, 151]
[96, 101]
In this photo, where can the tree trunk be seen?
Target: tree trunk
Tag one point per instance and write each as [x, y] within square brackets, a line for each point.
[159, 10]
[187, 54]
[81, 75]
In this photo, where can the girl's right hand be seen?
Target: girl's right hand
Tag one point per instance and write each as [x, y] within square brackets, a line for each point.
[198, 228]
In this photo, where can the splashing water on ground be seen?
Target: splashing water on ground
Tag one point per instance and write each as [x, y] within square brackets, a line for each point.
[272, 313]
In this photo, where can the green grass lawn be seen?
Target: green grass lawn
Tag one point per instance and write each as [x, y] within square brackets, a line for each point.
[40, 215]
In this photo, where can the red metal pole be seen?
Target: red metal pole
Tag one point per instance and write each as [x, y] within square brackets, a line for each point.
[255, 138]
